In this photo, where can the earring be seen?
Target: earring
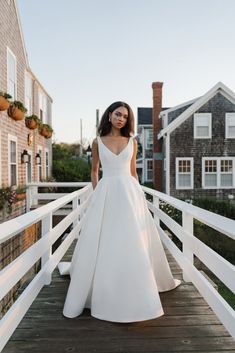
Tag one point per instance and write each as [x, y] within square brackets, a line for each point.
[109, 119]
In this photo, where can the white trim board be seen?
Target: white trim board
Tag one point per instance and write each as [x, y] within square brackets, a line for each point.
[169, 110]
[12, 138]
[219, 87]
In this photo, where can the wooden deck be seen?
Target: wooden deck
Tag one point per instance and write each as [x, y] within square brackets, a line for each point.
[188, 325]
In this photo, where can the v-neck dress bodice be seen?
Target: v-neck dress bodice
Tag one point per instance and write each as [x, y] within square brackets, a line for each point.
[119, 265]
[115, 164]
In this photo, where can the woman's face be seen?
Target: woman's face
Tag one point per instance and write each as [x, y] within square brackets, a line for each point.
[119, 117]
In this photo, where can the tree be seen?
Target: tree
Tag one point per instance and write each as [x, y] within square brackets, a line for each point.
[68, 165]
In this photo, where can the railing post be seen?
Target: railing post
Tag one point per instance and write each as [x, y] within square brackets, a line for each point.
[47, 227]
[156, 204]
[33, 193]
[28, 198]
[187, 224]
[75, 207]
[81, 202]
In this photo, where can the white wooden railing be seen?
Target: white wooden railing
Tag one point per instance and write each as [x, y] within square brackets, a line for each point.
[12, 273]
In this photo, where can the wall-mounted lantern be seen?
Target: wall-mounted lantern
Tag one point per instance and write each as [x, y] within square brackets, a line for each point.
[25, 157]
[38, 159]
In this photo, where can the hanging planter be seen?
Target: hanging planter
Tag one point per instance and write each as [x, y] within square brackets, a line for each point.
[20, 193]
[32, 121]
[17, 110]
[46, 131]
[4, 102]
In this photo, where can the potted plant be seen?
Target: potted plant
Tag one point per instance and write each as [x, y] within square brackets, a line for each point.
[32, 121]
[4, 102]
[46, 130]
[21, 192]
[7, 198]
[17, 110]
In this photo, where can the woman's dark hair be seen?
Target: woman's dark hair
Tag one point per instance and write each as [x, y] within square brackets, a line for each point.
[105, 125]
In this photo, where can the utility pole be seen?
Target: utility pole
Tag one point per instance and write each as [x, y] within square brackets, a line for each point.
[97, 121]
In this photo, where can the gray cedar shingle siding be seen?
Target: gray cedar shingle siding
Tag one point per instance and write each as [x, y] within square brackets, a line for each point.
[175, 113]
[182, 144]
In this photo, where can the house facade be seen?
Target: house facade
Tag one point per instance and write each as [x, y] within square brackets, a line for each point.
[18, 80]
[197, 141]
[144, 162]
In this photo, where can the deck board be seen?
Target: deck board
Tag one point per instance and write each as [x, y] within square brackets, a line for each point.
[189, 325]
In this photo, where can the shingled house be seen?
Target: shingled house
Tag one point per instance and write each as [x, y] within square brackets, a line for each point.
[194, 144]
[17, 140]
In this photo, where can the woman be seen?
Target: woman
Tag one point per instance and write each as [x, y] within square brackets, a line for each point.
[119, 265]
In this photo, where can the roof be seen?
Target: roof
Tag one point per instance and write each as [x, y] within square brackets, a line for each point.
[218, 88]
[144, 115]
[169, 110]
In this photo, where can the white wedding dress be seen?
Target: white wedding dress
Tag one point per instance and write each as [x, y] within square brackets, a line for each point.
[119, 264]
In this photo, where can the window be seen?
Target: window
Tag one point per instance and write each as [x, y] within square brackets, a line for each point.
[149, 139]
[11, 74]
[39, 149]
[47, 163]
[28, 94]
[29, 168]
[230, 125]
[226, 170]
[202, 125]
[218, 172]
[211, 171]
[12, 160]
[42, 107]
[150, 169]
[184, 173]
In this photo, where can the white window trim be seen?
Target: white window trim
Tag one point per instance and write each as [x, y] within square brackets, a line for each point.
[218, 159]
[30, 111]
[12, 138]
[26, 167]
[9, 51]
[39, 148]
[195, 125]
[147, 138]
[44, 106]
[228, 115]
[146, 169]
[47, 151]
[177, 173]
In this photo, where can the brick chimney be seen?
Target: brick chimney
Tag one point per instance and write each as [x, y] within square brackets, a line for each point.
[157, 144]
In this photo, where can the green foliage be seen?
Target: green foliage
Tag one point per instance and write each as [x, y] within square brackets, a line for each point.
[47, 126]
[20, 106]
[5, 95]
[33, 117]
[221, 207]
[7, 197]
[217, 241]
[68, 166]
[21, 189]
[171, 211]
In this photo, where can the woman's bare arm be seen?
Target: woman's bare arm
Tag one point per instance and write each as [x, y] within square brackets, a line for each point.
[133, 160]
[95, 163]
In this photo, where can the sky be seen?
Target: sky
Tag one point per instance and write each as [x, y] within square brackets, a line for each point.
[90, 53]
